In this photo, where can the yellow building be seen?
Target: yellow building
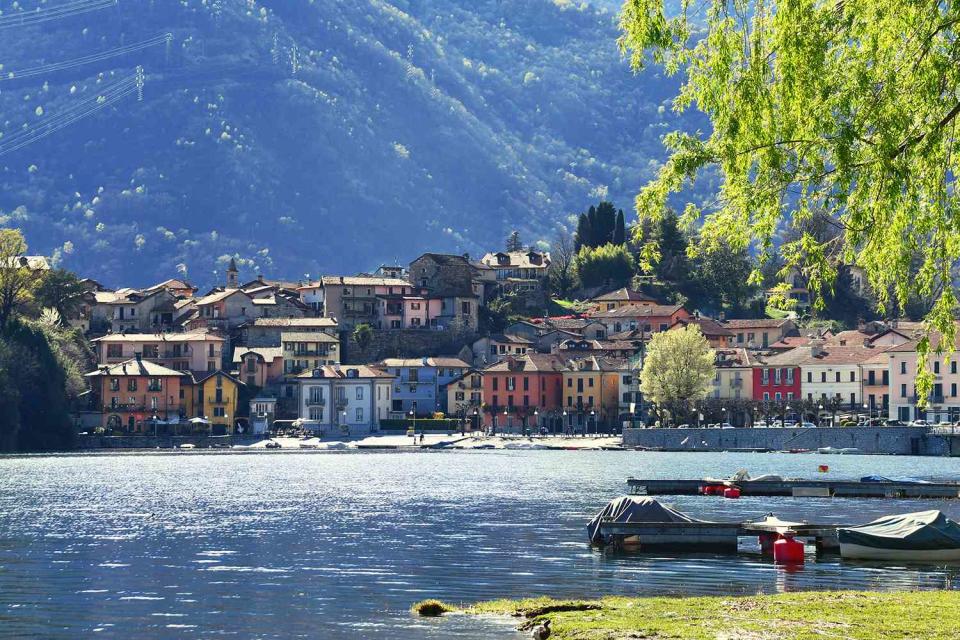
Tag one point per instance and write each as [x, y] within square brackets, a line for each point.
[214, 396]
[465, 398]
[307, 351]
[622, 298]
[591, 394]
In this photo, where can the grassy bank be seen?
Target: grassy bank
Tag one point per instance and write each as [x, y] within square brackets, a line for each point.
[794, 616]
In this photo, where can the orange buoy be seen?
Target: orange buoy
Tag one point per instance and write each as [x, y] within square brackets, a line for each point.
[731, 492]
[786, 550]
[823, 468]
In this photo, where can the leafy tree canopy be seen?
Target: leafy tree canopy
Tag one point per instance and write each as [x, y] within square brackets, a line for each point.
[607, 265]
[678, 369]
[845, 110]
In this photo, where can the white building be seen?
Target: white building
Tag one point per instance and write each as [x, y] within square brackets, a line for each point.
[343, 401]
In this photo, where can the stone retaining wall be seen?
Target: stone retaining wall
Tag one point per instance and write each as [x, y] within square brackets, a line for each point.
[897, 440]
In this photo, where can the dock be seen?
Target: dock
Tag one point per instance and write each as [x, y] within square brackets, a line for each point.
[799, 488]
[716, 536]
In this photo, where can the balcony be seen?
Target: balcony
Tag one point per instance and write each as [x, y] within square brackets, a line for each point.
[310, 353]
[220, 402]
[316, 402]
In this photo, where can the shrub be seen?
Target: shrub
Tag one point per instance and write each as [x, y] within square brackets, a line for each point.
[431, 608]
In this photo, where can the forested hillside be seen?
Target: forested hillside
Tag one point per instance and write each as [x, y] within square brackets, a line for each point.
[309, 136]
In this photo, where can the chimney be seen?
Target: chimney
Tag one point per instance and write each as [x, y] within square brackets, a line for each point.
[816, 348]
[138, 355]
[260, 278]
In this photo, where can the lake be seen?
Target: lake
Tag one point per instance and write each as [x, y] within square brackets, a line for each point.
[339, 545]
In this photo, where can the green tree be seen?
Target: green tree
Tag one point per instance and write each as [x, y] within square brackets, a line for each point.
[363, 335]
[61, 290]
[17, 279]
[620, 230]
[584, 234]
[678, 370]
[607, 265]
[514, 243]
[841, 109]
[723, 279]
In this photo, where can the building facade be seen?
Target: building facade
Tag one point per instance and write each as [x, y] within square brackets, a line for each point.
[344, 401]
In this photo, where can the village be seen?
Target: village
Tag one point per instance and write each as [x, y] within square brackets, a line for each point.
[405, 349]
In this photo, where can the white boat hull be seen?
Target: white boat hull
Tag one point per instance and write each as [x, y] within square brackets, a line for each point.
[861, 552]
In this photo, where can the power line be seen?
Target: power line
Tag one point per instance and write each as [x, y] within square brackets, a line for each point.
[39, 16]
[110, 95]
[89, 59]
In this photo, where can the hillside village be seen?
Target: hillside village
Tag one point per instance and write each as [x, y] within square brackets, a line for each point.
[351, 355]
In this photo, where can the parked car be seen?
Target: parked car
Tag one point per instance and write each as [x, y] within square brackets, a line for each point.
[726, 425]
[919, 423]
[894, 423]
[762, 424]
[808, 425]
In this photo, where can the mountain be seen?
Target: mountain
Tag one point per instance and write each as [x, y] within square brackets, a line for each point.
[312, 136]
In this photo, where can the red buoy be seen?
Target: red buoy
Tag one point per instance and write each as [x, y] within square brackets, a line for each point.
[823, 468]
[731, 492]
[786, 550]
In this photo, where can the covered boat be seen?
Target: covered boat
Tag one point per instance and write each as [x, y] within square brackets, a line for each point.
[921, 536]
[633, 509]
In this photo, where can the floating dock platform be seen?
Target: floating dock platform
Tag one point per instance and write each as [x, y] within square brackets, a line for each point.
[799, 488]
[715, 536]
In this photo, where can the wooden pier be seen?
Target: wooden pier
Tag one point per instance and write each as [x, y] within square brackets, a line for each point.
[715, 536]
[799, 488]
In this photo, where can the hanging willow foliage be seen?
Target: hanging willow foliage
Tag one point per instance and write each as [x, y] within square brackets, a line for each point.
[839, 110]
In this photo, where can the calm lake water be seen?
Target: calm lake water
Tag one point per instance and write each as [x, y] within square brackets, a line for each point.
[339, 545]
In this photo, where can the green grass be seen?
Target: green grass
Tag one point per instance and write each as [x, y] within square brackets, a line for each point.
[431, 608]
[567, 307]
[779, 314]
[844, 615]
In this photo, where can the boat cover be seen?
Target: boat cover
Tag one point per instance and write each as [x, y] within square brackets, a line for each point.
[924, 530]
[895, 479]
[634, 509]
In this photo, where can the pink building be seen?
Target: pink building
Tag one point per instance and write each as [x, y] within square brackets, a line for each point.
[197, 351]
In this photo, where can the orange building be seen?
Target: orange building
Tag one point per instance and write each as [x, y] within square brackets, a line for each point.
[131, 396]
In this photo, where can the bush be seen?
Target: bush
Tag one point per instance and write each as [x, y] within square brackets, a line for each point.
[431, 608]
[609, 264]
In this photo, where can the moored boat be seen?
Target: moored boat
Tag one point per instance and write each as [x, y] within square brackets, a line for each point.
[925, 536]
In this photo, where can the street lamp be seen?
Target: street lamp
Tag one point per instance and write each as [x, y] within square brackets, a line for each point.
[476, 417]
[506, 413]
[723, 412]
[536, 420]
[564, 420]
[413, 420]
[593, 416]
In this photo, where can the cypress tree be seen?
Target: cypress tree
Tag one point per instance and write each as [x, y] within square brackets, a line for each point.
[620, 230]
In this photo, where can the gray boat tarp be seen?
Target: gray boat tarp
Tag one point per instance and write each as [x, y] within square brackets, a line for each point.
[924, 530]
[634, 509]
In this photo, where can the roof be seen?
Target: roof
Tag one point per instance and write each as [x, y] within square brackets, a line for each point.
[596, 364]
[445, 258]
[358, 281]
[201, 377]
[299, 323]
[306, 336]
[269, 354]
[506, 337]
[172, 283]
[789, 342]
[134, 367]
[757, 323]
[340, 372]
[708, 326]
[639, 311]
[624, 294]
[532, 362]
[161, 337]
[850, 337]
[830, 354]
[403, 363]
[568, 323]
[729, 358]
[219, 296]
[518, 259]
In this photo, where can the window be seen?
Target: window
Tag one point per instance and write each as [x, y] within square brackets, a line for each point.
[953, 389]
[114, 350]
[766, 395]
[511, 384]
[359, 393]
[316, 414]
[779, 396]
[936, 367]
[590, 382]
[903, 391]
[569, 382]
[903, 367]
[953, 366]
[131, 384]
[415, 322]
[153, 402]
[776, 376]
[789, 395]
[415, 306]
[458, 396]
[789, 376]
[766, 377]
[465, 308]
[837, 376]
[219, 412]
[823, 376]
[155, 384]
[526, 383]
[526, 401]
[359, 414]
[853, 399]
[853, 376]
[809, 376]
[495, 385]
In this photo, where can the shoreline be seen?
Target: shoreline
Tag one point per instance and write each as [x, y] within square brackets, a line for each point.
[858, 615]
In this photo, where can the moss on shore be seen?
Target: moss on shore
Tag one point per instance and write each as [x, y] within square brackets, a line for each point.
[795, 616]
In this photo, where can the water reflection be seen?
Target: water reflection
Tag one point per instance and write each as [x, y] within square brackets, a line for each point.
[339, 545]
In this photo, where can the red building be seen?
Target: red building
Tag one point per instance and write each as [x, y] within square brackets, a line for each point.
[777, 377]
[524, 392]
